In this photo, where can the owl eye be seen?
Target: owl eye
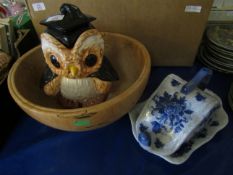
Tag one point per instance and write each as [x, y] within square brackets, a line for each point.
[54, 61]
[90, 60]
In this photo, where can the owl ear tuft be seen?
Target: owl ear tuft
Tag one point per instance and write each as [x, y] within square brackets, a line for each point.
[89, 39]
[48, 41]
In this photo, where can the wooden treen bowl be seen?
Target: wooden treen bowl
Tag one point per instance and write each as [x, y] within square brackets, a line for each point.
[127, 55]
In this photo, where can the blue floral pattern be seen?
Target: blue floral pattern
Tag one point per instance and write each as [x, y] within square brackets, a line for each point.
[173, 112]
[200, 97]
[158, 143]
[175, 82]
[157, 127]
[144, 136]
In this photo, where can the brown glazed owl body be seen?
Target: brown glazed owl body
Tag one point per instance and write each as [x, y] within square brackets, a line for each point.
[78, 74]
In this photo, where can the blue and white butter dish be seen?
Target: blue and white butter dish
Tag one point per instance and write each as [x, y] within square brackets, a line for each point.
[174, 113]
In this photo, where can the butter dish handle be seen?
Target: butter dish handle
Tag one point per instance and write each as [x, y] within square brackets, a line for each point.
[201, 79]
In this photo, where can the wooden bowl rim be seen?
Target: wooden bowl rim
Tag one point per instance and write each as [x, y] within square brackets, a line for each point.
[145, 71]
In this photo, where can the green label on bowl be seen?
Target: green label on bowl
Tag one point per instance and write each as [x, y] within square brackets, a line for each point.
[82, 123]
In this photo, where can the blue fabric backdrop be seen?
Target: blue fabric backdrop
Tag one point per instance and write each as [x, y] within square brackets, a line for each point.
[29, 147]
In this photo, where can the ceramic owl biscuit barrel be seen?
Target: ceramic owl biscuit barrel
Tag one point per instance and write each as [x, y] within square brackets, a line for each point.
[78, 72]
[174, 113]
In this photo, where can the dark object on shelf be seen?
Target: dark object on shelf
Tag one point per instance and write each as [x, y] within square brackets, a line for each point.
[26, 37]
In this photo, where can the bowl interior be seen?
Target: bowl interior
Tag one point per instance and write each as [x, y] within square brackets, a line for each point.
[124, 53]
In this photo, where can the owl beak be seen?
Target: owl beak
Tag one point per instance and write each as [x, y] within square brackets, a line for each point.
[73, 70]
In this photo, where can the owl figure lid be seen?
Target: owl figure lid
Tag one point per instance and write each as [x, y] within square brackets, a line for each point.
[77, 72]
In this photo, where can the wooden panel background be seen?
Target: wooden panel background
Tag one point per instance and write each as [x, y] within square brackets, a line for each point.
[171, 35]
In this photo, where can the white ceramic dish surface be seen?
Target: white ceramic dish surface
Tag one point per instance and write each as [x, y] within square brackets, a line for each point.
[170, 117]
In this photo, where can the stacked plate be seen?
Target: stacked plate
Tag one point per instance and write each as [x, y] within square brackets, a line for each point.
[216, 51]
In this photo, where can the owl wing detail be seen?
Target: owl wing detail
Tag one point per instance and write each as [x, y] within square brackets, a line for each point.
[50, 82]
[47, 76]
[106, 72]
